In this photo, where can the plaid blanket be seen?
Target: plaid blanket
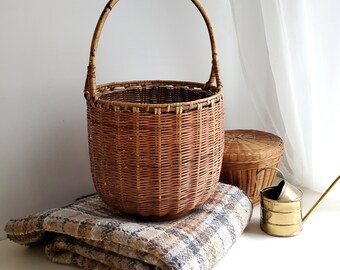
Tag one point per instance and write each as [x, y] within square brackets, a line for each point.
[89, 235]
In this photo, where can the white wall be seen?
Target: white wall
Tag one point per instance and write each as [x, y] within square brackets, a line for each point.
[43, 57]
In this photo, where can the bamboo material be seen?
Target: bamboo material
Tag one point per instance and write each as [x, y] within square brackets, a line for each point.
[245, 153]
[156, 147]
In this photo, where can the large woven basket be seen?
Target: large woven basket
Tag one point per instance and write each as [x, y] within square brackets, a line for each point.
[245, 153]
[156, 147]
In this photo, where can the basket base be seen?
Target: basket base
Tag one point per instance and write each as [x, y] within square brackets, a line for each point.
[168, 217]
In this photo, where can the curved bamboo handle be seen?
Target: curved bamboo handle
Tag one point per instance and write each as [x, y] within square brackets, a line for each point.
[90, 85]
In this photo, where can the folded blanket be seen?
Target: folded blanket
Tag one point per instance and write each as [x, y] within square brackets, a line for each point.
[89, 235]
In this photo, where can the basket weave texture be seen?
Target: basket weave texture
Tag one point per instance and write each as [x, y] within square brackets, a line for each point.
[156, 147]
[245, 153]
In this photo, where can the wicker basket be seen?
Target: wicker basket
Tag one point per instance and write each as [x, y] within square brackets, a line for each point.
[247, 151]
[156, 147]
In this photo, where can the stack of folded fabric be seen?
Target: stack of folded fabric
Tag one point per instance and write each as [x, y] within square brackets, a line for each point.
[88, 234]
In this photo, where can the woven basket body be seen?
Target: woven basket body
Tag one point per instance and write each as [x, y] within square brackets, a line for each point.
[156, 147]
[246, 152]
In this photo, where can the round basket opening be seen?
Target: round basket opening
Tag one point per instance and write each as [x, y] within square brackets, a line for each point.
[155, 95]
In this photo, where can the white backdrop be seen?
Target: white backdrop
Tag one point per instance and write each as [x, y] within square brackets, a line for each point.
[290, 57]
[44, 54]
[266, 70]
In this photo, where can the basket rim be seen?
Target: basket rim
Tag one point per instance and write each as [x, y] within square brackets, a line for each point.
[178, 107]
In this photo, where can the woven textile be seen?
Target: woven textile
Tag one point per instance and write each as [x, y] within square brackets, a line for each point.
[89, 235]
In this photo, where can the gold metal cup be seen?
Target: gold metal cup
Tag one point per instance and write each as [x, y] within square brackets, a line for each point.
[280, 217]
[281, 208]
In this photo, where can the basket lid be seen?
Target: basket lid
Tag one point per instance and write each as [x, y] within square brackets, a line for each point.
[247, 146]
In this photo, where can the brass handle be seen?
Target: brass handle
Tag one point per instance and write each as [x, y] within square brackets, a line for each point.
[90, 85]
[271, 168]
[267, 168]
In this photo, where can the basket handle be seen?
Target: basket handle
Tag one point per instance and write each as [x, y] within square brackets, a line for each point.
[90, 85]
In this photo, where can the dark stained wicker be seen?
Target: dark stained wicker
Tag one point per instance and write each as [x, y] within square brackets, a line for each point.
[156, 147]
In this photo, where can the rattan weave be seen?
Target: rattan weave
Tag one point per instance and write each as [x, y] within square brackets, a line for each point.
[156, 147]
[246, 152]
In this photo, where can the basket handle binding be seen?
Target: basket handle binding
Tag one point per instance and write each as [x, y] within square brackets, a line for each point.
[90, 84]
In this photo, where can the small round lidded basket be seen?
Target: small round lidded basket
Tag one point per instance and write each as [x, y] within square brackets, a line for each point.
[247, 151]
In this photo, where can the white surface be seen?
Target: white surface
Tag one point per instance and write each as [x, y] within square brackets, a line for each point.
[316, 247]
[44, 53]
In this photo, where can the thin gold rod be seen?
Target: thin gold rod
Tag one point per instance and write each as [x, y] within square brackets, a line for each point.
[321, 198]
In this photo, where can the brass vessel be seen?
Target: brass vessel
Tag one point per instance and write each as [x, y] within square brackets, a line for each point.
[281, 208]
